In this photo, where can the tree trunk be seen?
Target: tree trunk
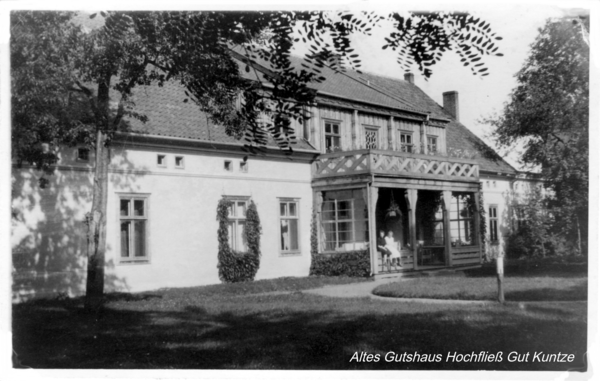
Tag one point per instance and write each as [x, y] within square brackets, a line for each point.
[97, 227]
[96, 246]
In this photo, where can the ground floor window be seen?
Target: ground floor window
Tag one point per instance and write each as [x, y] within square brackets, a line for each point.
[237, 222]
[133, 215]
[344, 221]
[520, 216]
[288, 226]
[493, 214]
[462, 226]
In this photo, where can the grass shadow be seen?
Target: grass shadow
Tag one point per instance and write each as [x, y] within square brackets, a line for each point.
[287, 332]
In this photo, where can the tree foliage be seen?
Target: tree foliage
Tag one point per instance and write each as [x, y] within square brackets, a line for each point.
[548, 112]
[44, 112]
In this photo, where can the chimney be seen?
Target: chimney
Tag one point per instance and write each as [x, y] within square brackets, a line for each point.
[451, 103]
[409, 77]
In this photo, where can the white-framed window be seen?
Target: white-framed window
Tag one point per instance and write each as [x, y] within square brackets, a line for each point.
[493, 215]
[371, 137]
[338, 223]
[228, 166]
[179, 162]
[462, 227]
[237, 223]
[432, 144]
[333, 136]
[161, 161]
[133, 218]
[289, 226]
[244, 166]
[406, 141]
[83, 154]
[344, 221]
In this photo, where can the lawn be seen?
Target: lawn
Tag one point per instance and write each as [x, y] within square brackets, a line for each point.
[523, 281]
[486, 288]
[239, 327]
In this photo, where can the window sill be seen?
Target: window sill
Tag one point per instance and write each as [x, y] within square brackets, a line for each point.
[144, 261]
[290, 254]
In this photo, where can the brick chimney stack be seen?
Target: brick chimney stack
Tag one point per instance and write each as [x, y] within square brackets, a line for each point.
[451, 103]
[409, 77]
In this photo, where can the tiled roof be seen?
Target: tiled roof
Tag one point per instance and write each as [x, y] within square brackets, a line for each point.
[346, 85]
[168, 115]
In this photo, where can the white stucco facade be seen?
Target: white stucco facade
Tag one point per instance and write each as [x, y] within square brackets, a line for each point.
[48, 241]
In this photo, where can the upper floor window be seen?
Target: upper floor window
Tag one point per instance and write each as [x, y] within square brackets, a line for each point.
[406, 142]
[133, 215]
[432, 144]
[371, 138]
[179, 162]
[161, 160]
[333, 137]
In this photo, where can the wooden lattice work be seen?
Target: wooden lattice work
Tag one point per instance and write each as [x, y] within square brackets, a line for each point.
[382, 162]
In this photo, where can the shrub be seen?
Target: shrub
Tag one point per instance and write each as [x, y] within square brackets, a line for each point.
[350, 263]
[238, 266]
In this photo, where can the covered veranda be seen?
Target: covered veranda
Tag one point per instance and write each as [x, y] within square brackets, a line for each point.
[429, 204]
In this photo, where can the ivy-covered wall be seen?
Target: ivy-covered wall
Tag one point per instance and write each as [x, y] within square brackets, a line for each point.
[236, 266]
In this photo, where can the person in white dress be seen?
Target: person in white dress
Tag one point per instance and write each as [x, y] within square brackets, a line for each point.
[392, 246]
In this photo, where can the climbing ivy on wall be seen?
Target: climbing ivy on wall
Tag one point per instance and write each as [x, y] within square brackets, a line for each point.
[482, 222]
[314, 243]
[238, 266]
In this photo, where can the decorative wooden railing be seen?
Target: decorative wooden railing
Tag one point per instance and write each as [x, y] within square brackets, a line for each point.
[380, 162]
[467, 255]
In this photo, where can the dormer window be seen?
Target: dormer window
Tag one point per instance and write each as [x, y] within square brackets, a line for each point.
[333, 137]
[432, 146]
[371, 138]
[406, 142]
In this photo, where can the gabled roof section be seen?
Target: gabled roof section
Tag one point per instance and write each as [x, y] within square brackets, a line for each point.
[458, 136]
